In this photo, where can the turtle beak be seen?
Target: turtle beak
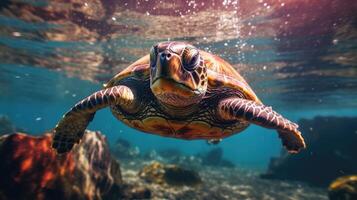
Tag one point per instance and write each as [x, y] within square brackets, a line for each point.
[168, 66]
[163, 65]
[165, 80]
[169, 81]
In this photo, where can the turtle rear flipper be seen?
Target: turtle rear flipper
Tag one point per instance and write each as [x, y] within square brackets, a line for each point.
[292, 140]
[71, 127]
[242, 109]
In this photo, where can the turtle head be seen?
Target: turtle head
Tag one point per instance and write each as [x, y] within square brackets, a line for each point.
[178, 76]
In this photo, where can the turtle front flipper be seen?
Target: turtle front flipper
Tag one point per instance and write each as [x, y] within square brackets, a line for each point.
[71, 127]
[254, 112]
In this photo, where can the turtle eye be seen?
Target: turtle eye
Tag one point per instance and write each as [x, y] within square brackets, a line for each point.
[153, 56]
[190, 58]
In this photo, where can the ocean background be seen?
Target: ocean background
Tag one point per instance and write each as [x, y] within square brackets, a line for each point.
[300, 57]
[302, 75]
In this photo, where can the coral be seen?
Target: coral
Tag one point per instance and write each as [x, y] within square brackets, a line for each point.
[343, 188]
[30, 169]
[153, 173]
[169, 174]
[329, 153]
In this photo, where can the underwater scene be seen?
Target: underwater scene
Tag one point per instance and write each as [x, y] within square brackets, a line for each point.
[182, 99]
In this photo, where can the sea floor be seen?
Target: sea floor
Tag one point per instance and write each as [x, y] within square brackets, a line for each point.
[223, 183]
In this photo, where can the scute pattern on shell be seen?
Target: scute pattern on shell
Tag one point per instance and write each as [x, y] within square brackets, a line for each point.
[223, 73]
[222, 81]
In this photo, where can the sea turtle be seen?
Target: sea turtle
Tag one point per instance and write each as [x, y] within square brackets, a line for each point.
[178, 91]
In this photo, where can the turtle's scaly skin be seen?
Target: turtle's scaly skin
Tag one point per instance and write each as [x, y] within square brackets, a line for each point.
[182, 92]
[83, 112]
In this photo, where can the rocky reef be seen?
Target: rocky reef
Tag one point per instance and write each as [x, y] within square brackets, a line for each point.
[30, 169]
[219, 183]
[329, 153]
[343, 188]
[169, 174]
[172, 174]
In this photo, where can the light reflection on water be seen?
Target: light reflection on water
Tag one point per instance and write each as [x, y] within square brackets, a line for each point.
[289, 52]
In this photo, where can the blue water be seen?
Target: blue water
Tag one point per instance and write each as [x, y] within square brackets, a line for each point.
[37, 98]
[43, 75]
[38, 107]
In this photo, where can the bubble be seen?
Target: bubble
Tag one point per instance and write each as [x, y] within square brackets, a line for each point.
[335, 41]
[16, 34]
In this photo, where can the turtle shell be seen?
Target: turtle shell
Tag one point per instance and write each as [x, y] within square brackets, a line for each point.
[139, 67]
[220, 73]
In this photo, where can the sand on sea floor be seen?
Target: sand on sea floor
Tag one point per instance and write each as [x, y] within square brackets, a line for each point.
[224, 183]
